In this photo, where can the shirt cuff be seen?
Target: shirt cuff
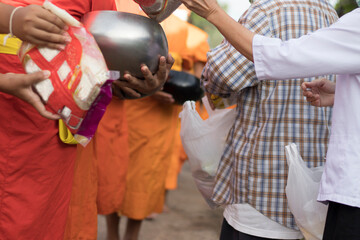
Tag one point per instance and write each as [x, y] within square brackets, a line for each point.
[262, 51]
[258, 56]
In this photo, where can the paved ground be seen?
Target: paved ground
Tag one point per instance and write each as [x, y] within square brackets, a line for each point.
[189, 218]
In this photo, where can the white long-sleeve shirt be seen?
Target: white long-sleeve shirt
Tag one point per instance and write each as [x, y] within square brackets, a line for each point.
[332, 50]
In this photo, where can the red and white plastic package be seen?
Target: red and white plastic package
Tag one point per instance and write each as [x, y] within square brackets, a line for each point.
[78, 73]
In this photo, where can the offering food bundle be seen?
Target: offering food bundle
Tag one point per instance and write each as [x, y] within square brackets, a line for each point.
[78, 77]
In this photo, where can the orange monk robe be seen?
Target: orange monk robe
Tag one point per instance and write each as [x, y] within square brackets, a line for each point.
[151, 136]
[197, 48]
[197, 45]
[100, 172]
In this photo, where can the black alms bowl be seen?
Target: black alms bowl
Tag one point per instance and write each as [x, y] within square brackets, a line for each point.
[127, 40]
[183, 86]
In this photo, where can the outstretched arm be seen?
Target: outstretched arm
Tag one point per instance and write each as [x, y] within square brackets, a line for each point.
[320, 53]
[239, 36]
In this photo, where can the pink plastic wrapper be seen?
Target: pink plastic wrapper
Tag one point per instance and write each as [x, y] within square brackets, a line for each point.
[94, 114]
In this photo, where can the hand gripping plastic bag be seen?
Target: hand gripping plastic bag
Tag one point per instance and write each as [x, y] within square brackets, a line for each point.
[301, 191]
[204, 142]
[76, 89]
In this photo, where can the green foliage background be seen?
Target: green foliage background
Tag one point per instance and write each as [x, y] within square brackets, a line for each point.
[344, 6]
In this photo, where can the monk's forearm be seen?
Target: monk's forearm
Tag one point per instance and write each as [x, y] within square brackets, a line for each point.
[5, 12]
[238, 36]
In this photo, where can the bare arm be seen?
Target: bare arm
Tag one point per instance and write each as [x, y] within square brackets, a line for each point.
[240, 37]
[5, 11]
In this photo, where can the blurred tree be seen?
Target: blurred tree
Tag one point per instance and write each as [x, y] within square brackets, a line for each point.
[344, 6]
[215, 36]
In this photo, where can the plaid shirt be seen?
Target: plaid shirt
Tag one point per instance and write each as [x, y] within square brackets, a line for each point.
[270, 114]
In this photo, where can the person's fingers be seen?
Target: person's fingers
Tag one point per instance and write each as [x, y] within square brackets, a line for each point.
[161, 74]
[169, 99]
[48, 26]
[36, 102]
[321, 81]
[33, 14]
[170, 60]
[311, 99]
[131, 82]
[52, 18]
[130, 93]
[315, 103]
[307, 93]
[123, 89]
[116, 90]
[43, 112]
[30, 79]
[151, 82]
[149, 78]
[304, 86]
[164, 97]
[32, 98]
[315, 84]
[44, 35]
[163, 66]
[118, 93]
[309, 86]
[165, 94]
[45, 43]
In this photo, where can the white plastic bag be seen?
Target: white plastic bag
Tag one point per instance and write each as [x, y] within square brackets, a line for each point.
[301, 191]
[204, 142]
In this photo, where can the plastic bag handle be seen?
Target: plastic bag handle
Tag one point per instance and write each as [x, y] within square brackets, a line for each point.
[294, 158]
[188, 105]
[292, 152]
[292, 149]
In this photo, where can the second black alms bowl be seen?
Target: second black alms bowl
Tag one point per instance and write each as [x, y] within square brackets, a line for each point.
[183, 86]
